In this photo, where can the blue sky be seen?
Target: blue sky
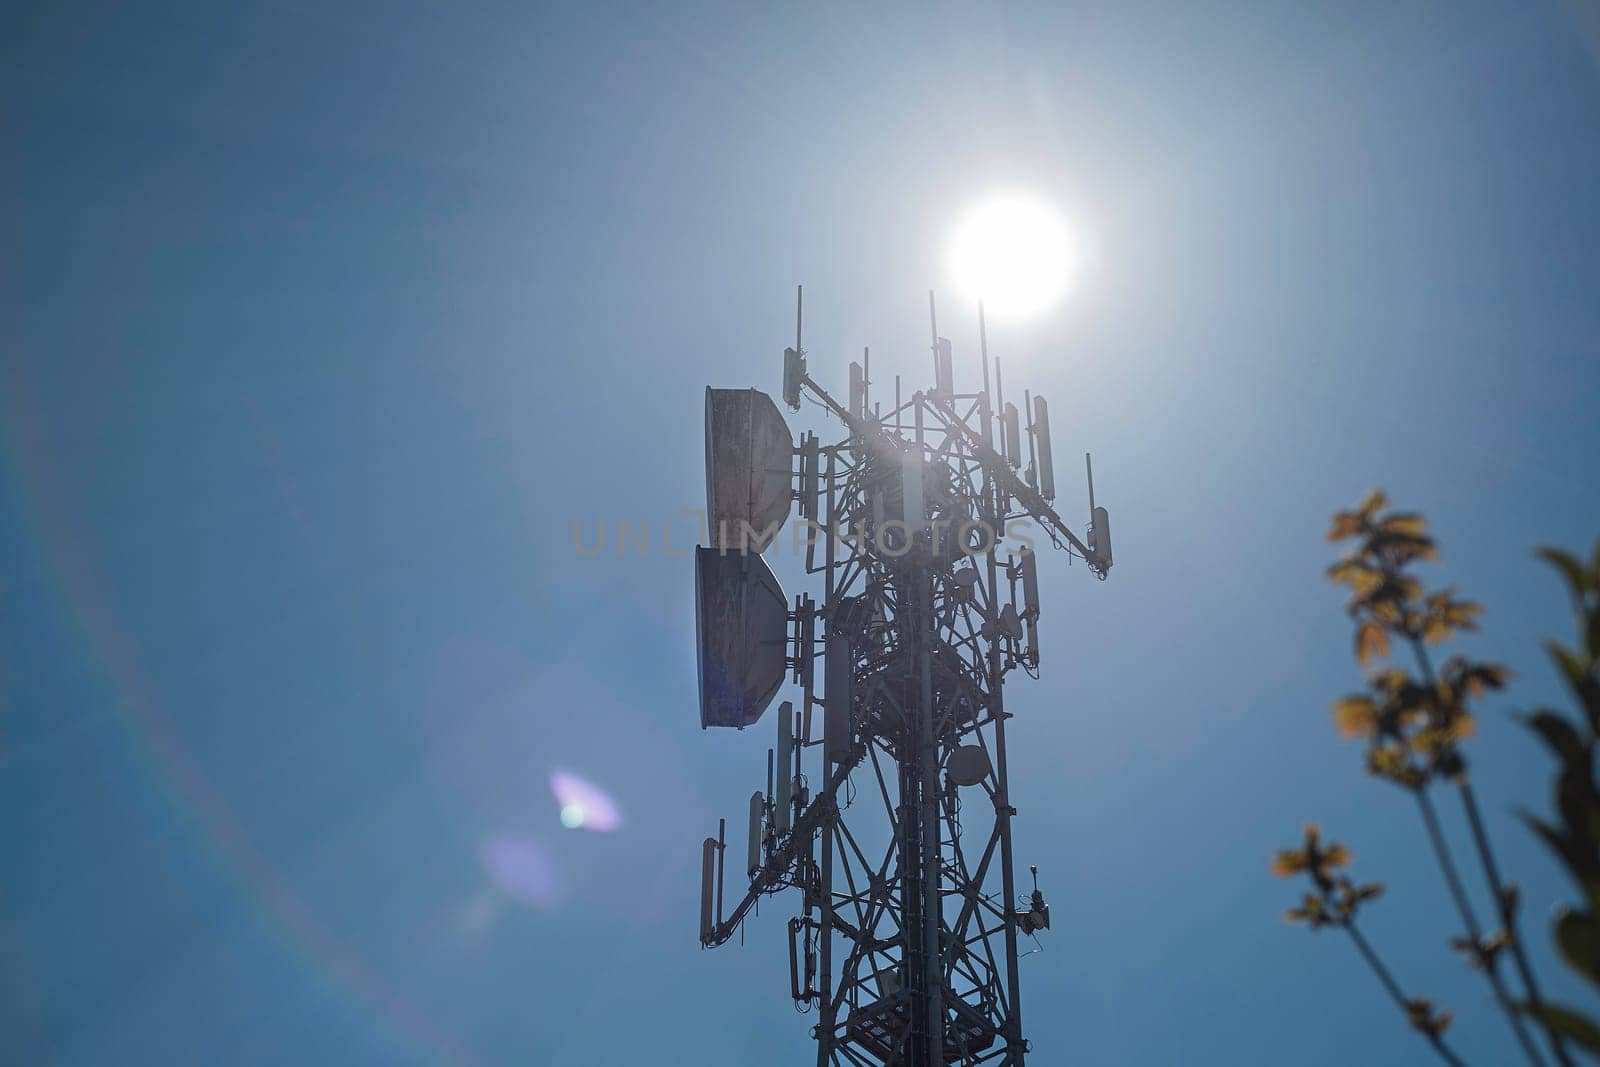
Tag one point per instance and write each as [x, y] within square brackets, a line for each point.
[318, 330]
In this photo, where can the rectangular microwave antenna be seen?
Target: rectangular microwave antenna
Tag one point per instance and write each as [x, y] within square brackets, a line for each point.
[913, 509]
[784, 790]
[708, 874]
[943, 370]
[742, 636]
[749, 468]
[794, 359]
[858, 391]
[809, 459]
[1100, 536]
[807, 650]
[839, 683]
[757, 806]
[1028, 566]
[794, 373]
[1011, 424]
[1041, 430]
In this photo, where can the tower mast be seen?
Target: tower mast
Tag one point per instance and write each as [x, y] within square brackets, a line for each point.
[895, 823]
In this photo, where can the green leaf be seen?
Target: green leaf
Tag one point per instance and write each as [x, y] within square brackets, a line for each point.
[1578, 1029]
[1557, 733]
[1578, 937]
[1568, 565]
[1576, 673]
[1568, 852]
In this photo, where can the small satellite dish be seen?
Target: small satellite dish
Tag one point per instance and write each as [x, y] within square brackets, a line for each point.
[742, 632]
[1047, 466]
[967, 765]
[749, 473]
[966, 577]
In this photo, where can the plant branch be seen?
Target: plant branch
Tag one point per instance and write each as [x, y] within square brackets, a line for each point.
[1393, 989]
[1452, 878]
[1503, 905]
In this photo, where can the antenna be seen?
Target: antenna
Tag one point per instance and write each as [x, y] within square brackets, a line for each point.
[808, 477]
[1011, 432]
[1047, 467]
[794, 359]
[983, 350]
[1099, 525]
[1033, 455]
[838, 694]
[708, 869]
[1028, 567]
[742, 630]
[944, 378]
[785, 787]
[912, 508]
[758, 805]
[749, 469]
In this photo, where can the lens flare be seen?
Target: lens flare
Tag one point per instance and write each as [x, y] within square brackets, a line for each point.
[521, 869]
[584, 806]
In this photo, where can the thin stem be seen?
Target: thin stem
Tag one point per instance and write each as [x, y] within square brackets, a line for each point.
[1393, 989]
[1452, 878]
[1491, 870]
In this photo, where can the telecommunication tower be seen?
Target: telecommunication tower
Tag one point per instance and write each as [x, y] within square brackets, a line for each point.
[893, 822]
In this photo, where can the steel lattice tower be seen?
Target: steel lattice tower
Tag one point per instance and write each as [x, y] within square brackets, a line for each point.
[895, 823]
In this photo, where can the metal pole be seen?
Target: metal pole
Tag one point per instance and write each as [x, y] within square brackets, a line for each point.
[983, 347]
[927, 815]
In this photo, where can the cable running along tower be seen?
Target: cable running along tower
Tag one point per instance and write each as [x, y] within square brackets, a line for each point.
[892, 820]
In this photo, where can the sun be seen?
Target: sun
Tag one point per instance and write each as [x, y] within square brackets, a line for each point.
[1014, 253]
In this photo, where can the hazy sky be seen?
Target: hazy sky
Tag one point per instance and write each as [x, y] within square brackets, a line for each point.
[319, 329]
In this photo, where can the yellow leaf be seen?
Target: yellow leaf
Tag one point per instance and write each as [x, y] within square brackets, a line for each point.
[1355, 716]
[1346, 571]
[1436, 630]
[1365, 582]
[1345, 524]
[1288, 862]
[1410, 524]
[1371, 640]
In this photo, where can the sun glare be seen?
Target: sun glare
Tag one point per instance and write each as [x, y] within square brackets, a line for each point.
[1015, 254]
[584, 805]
